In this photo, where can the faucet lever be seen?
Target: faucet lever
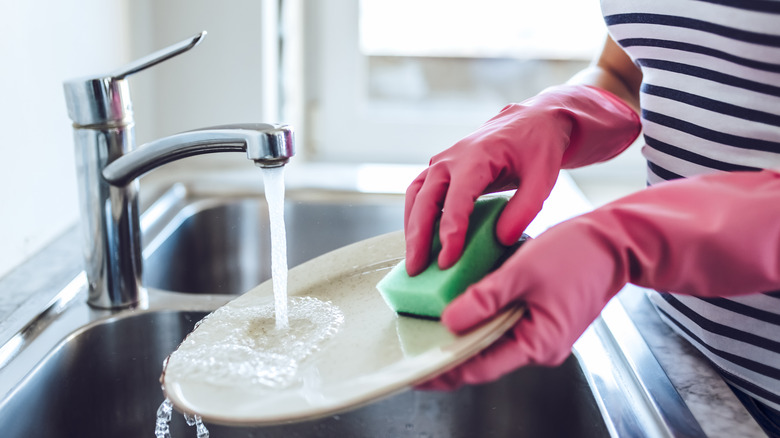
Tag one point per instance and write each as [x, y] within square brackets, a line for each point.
[103, 100]
[108, 165]
[158, 56]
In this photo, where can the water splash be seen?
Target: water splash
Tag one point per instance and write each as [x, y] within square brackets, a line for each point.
[200, 428]
[273, 179]
[197, 421]
[240, 345]
[190, 419]
[162, 427]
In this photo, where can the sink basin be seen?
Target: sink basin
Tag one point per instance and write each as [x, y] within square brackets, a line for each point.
[76, 371]
[221, 245]
[103, 380]
[103, 383]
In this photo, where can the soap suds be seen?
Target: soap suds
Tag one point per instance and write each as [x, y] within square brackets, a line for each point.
[239, 346]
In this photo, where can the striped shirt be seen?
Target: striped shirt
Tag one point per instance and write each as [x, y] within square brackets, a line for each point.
[710, 101]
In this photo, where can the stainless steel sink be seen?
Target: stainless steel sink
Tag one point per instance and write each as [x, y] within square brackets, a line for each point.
[76, 371]
[221, 245]
[94, 385]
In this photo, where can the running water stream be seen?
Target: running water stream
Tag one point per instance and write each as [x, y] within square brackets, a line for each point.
[273, 180]
[237, 346]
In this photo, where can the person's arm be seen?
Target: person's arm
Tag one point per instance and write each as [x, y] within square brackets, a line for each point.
[713, 235]
[523, 147]
[613, 71]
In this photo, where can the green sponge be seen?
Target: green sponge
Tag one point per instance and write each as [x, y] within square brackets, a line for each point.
[428, 293]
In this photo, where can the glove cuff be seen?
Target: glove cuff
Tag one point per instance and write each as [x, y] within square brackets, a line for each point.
[603, 125]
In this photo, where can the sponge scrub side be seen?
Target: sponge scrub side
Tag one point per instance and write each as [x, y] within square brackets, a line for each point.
[429, 292]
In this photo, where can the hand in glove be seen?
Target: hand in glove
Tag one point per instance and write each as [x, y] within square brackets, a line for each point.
[523, 147]
[708, 236]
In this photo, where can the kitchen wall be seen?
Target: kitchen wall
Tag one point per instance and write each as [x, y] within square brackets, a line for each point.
[47, 41]
[218, 82]
[43, 43]
[229, 78]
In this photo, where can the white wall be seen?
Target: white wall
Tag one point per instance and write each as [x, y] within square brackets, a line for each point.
[218, 82]
[45, 42]
[224, 80]
[221, 81]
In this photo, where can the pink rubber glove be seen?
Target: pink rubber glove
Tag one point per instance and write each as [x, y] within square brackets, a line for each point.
[523, 147]
[709, 236]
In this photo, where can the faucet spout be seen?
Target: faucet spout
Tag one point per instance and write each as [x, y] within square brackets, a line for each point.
[108, 165]
[268, 145]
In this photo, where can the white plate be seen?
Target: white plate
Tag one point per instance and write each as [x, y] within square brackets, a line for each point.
[374, 353]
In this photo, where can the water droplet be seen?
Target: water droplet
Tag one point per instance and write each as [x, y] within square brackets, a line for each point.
[190, 419]
[200, 428]
[162, 425]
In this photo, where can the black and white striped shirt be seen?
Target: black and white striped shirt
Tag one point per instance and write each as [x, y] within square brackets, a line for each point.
[710, 102]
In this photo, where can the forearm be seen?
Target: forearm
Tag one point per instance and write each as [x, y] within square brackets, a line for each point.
[614, 83]
[712, 235]
[613, 71]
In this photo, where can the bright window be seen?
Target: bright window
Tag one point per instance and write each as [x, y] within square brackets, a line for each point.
[402, 80]
[521, 29]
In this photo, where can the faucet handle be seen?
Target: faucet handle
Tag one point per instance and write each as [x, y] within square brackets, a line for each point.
[104, 100]
[158, 56]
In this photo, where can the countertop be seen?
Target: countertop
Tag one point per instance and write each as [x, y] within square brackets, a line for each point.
[34, 284]
[712, 403]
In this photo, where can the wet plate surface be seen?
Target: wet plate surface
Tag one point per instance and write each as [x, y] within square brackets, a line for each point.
[344, 346]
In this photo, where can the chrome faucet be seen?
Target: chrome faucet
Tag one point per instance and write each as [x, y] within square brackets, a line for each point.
[108, 165]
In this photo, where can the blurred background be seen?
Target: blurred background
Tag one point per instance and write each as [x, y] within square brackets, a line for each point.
[365, 81]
